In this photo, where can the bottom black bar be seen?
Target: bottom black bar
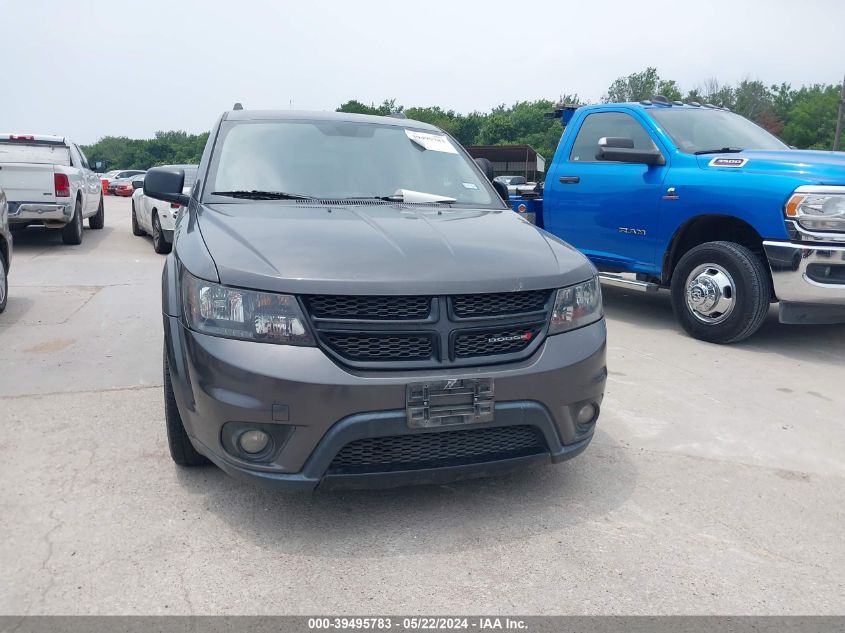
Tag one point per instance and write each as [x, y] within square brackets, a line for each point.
[525, 624]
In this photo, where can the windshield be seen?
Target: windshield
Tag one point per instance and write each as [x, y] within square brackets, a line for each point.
[343, 159]
[701, 130]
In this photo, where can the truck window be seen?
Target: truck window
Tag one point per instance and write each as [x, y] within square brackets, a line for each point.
[601, 124]
[15, 152]
[83, 157]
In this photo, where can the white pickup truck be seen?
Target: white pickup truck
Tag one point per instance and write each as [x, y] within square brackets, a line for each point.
[48, 181]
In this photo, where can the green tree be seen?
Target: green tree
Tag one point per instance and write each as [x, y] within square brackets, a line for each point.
[634, 87]
[811, 120]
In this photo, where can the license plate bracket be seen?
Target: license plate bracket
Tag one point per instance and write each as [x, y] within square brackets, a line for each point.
[449, 402]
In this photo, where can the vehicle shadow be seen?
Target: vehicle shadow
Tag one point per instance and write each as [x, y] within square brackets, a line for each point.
[446, 518]
[824, 343]
[16, 309]
[37, 240]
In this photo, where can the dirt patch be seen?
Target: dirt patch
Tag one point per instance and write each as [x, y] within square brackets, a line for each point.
[50, 346]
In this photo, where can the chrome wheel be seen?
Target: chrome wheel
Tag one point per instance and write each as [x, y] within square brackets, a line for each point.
[3, 282]
[156, 233]
[710, 293]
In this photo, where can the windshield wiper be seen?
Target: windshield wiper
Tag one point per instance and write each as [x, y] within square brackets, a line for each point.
[408, 195]
[263, 195]
[723, 150]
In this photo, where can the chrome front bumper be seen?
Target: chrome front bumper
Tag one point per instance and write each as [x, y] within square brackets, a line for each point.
[797, 275]
[39, 212]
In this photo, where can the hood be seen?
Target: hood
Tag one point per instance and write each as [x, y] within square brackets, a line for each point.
[383, 249]
[813, 167]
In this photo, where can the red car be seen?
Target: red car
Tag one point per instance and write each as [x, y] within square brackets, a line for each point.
[124, 189]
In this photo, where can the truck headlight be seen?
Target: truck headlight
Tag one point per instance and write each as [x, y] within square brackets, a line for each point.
[818, 208]
[263, 317]
[576, 306]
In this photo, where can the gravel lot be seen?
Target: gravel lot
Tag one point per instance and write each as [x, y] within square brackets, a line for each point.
[714, 485]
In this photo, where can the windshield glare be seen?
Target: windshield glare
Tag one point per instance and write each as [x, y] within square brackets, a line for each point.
[705, 129]
[343, 159]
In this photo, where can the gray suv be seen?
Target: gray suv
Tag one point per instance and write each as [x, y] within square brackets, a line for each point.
[350, 303]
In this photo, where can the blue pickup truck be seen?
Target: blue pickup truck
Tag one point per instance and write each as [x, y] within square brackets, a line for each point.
[703, 202]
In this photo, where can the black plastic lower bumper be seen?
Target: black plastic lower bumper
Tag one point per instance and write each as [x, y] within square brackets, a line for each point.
[317, 471]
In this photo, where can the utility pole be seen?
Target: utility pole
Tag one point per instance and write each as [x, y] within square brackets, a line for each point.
[839, 118]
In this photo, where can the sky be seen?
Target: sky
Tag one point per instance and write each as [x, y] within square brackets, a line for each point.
[87, 69]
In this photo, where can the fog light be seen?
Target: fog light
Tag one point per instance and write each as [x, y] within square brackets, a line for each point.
[586, 414]
[253, 442]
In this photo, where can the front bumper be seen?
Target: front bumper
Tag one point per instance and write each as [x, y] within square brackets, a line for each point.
[803, 283]
[24, 212]
[322, 407]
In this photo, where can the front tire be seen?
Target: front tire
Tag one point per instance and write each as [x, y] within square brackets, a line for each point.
[160, 245]
[136, 228]
[72, 231]
[181, 449]
[98, 220]
[720, 292]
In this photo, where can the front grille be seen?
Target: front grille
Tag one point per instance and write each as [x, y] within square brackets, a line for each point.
[438, 449]
[499, 304]
[380, 347]
[376, 332]
[484, 343]
[369, 307]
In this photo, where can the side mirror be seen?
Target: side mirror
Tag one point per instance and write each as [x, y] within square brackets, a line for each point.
[621, 150]
[137, 184]
[486, 167]
[502, 189]
[165, 183]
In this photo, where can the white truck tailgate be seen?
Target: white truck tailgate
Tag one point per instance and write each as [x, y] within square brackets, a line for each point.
[27, 182]
[26, 171]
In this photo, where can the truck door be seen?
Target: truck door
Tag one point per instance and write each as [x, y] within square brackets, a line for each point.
[607, 210]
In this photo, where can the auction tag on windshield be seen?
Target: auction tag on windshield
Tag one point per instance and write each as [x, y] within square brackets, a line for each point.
[434, 142]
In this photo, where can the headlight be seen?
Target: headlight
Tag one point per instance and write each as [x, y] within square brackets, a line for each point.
[576, 306]
[818, 208]
[243, 314]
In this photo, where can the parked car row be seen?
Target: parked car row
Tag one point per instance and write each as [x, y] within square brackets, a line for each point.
[312, 254]
[118, 177]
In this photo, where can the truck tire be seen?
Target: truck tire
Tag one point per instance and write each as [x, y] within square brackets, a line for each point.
[98, 220]
[160, 245]
[136, 228]
[720, 292]
[72, 231]
[4, 285]
[181, 449]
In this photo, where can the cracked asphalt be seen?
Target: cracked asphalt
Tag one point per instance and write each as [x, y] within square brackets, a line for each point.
[713, 486]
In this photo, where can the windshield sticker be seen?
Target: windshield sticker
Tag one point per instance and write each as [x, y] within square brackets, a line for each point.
[433, 142]
[728, 162]
[469, 185]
